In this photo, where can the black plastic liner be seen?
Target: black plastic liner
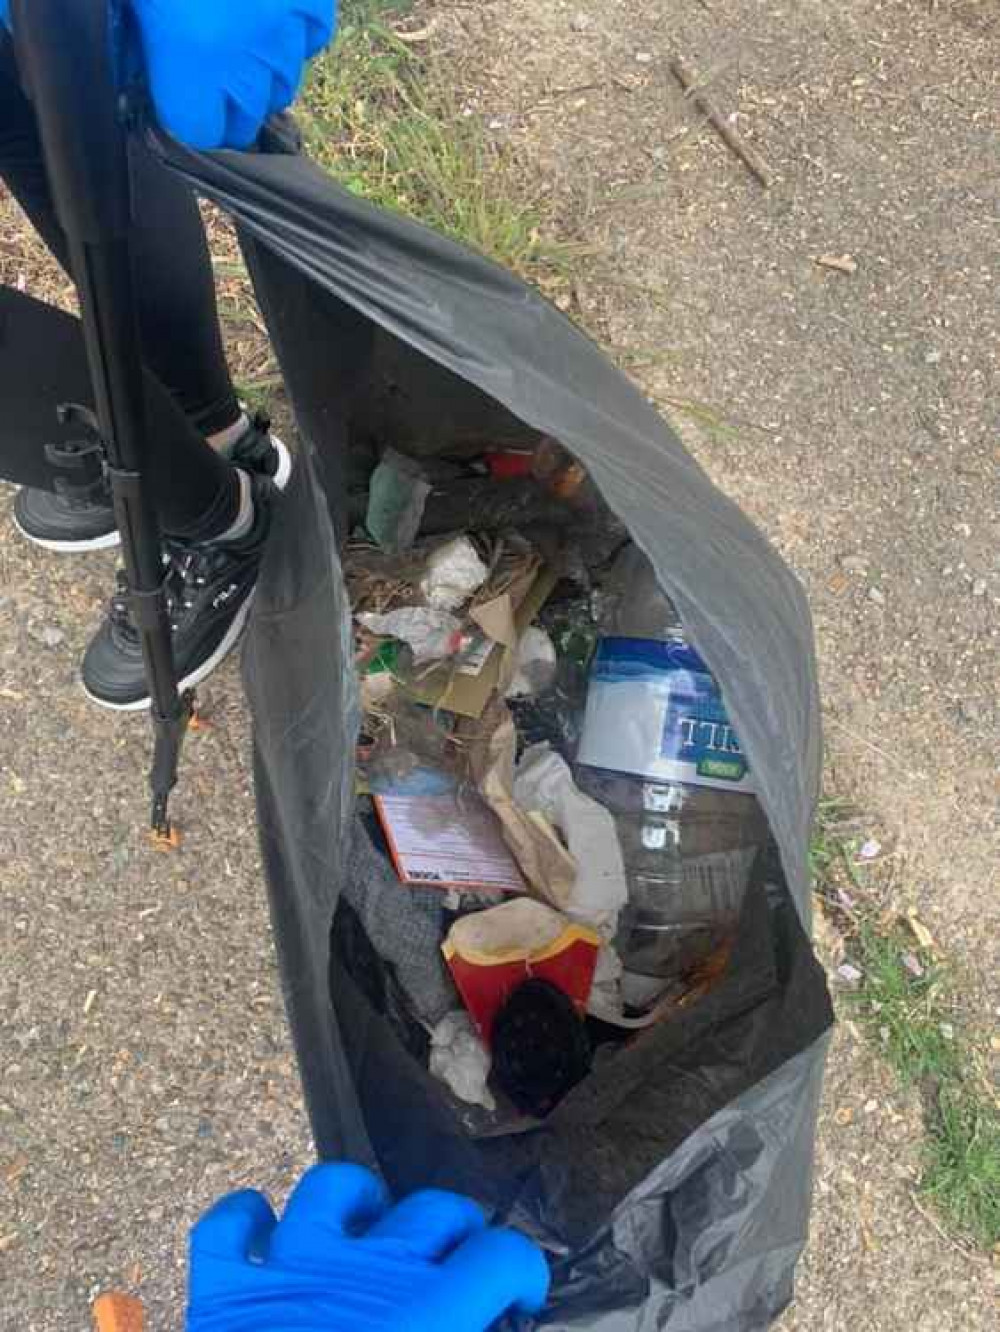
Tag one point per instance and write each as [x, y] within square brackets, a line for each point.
[671, 1187]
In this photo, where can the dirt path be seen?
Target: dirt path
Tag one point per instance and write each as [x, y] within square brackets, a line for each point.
[145, 1058]
[851, 414]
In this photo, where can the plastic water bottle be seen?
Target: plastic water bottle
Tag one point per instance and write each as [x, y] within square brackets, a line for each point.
[659, 752]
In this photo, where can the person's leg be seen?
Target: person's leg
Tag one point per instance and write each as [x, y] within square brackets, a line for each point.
[196, 493]
[43, 363]
[175, 288]
[216, 514]
[216, 534]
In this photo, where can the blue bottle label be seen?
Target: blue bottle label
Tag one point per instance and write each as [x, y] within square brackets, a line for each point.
[655, 710]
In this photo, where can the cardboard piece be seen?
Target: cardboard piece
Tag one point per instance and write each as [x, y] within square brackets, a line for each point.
[546, 864]
[447, 842]
[468, 695]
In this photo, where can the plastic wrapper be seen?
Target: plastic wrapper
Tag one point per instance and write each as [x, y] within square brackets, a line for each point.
[432, 634]
[535, 664]
[672, 1185]
[460, 1059]
[396, 497]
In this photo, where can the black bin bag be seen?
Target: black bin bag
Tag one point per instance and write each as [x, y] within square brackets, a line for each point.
[672, 1187]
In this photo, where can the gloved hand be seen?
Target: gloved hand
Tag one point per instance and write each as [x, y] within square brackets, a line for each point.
[218, 68]
[343, 1259]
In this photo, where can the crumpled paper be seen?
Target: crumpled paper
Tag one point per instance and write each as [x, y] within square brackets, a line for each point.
[544, 785]
[454, 572]
[546, 864]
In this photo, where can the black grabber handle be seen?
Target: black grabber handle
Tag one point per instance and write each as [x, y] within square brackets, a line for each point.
[67, 54]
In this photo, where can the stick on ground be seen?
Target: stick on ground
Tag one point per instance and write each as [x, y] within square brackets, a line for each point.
[688, 79]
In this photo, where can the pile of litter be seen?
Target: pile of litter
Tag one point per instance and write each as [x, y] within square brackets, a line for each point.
[547, 765]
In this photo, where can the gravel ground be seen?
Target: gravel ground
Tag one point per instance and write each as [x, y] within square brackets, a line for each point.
[146, 1064]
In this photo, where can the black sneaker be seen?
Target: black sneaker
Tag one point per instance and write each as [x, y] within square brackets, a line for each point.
[60, 523]
[259, 452]
[209, 592]
[73, 525]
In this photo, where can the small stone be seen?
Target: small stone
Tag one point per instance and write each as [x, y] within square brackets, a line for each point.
[849, 976]
[870, 849]
[979, 587]
[854, 564]
[580, 22]
[46, 634]
[913, 965]
[920, 931]
[644, 57]
[947, 1031]
[932, 358]
[877, 595]
[840, 263]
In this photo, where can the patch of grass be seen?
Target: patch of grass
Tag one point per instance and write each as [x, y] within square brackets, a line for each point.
[906, 1002]
[260, 394]
[378, 116]
[827, 847]
[908, 1013]
[708, 418]
[962, 1175]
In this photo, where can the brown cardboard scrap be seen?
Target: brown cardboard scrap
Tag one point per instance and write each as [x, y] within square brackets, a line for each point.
[468, 695]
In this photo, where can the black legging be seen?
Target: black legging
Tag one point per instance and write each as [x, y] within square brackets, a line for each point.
[189, 393]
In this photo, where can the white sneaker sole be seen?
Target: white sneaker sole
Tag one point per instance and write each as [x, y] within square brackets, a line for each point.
[281, 478]
[283, 474]
[104, 542]
[202, 672]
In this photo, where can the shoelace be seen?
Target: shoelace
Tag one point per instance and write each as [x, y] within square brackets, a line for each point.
[187, 570]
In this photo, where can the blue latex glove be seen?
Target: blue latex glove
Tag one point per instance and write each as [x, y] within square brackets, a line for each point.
[343, 1259]
[218, 68]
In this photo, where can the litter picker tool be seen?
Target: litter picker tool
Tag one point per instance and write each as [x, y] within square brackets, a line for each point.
[68, 54]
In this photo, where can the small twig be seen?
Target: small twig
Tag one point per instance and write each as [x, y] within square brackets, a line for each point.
[974, 1258]
[882, 754]
[727, 132]
[414, 38]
